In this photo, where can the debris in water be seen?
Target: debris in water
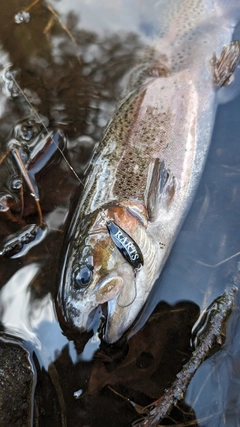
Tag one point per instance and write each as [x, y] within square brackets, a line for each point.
[22, 17]
[10, 88]
[212, 335]
[77, 394]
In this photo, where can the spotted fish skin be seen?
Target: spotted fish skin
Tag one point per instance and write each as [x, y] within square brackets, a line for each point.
[147, 166]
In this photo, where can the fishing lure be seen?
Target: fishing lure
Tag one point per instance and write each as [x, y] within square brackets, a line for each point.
[125, 244]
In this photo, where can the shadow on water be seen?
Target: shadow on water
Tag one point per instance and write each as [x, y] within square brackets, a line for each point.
[70, 65]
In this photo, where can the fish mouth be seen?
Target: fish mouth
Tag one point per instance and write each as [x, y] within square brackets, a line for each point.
[115, 326]
[84, 313]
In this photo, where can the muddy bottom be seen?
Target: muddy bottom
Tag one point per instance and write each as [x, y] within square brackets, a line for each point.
[17, 379]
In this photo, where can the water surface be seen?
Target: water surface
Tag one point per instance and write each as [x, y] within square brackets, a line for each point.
[70, 59]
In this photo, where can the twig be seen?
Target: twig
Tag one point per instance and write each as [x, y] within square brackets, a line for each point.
[219, 311]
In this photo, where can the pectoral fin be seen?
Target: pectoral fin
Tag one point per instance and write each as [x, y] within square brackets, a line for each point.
[161, 190]
[224, 66]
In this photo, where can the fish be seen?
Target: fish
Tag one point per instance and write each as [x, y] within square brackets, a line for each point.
[144, 173]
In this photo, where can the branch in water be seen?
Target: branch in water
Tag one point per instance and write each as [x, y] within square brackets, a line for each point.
[212, 335]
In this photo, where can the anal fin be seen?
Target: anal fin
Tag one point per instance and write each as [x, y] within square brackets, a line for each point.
[224, 66]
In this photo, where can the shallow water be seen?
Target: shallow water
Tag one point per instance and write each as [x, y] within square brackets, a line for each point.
[70, 59]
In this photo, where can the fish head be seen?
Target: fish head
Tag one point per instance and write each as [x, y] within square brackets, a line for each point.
[97, 275]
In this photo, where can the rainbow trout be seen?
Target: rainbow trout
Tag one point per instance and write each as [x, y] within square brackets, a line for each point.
[144, 174]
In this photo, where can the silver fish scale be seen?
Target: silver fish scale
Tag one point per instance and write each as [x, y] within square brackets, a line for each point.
[140, 149]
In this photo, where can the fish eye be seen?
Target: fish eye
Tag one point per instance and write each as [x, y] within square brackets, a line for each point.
[83, 276]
